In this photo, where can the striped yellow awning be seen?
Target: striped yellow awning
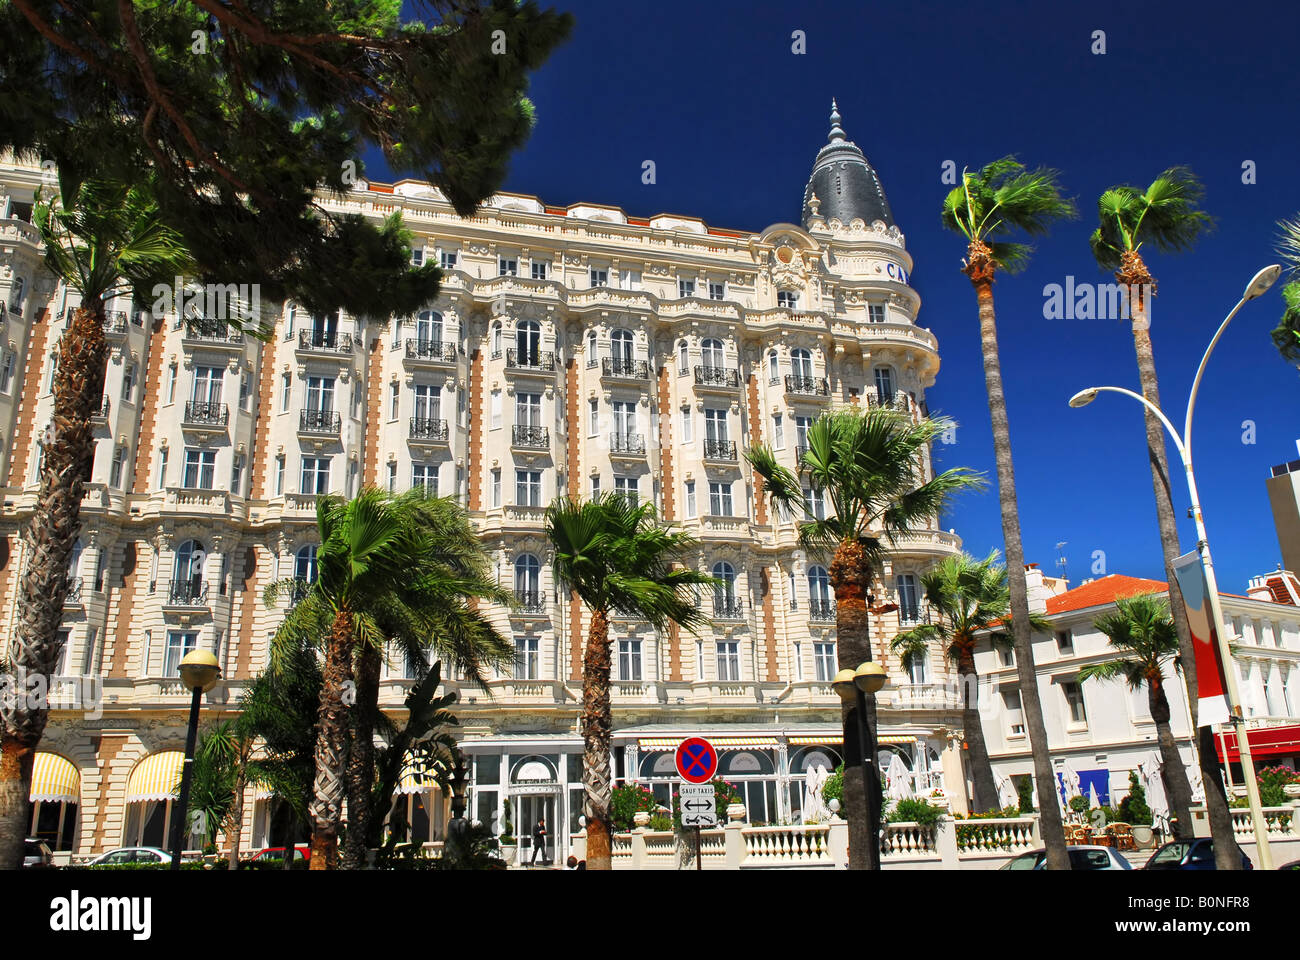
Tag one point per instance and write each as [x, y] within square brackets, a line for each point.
[55, 780]
[414, 781]
[835, 740]
[719, 743]
[156, 777]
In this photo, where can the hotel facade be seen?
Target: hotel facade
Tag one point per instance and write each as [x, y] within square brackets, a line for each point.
[572, 350]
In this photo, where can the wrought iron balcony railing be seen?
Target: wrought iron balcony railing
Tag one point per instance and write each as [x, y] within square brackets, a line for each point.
[529, 359]
[424, 428]
[330, 340]
[821, 611]
[101, 413]
[298, 592]
[212, 331]
[74, 592]
[811, 386]
[209, 414]
[799, 450]
[115, 322]
[187, 593]
[728, 608]
[320, 421]
[719, 449]
[629, 443]
[530, 601]
[435, 351]
[534, 437]
[625, 368]
[710, 376]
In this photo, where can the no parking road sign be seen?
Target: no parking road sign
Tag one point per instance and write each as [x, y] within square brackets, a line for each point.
[697, 761]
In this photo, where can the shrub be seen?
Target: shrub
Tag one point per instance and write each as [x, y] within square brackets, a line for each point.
[1025, 793]
[1080, 805]
[1271, 780]
[661, 822]
[915, 811]
[1133, 808]
[626, 801]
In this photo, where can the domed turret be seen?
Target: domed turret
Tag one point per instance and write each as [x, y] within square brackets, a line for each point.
[845, 185]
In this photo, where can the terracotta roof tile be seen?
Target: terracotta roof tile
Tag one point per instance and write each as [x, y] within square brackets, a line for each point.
[1105, 590]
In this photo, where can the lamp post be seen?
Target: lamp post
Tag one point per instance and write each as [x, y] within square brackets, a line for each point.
[855, 685]
[1259, 284]
[199, 672]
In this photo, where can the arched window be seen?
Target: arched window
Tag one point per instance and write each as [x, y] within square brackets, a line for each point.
[801, 363]
[528, 341]
[683, 362]
[428, 327]
[304, 564]
[528, 576]
[819, 585]
[725, 590]
[884, 384]
[621, 346]
[496, 339]
[773, 367]
[593, 353]
[711, 351]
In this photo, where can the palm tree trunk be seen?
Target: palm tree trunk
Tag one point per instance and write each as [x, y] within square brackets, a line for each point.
[331, 743]
[597, 734]
[236, 821]
[1135, 277]
[34, 649]
[980, 270]
[850, 575]
[1172, 771]
[985, 796]
[361, 759]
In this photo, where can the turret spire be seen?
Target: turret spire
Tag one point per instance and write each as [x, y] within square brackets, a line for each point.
[837, 132]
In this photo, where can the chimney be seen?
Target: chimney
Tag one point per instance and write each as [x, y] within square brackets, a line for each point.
[1038, 592]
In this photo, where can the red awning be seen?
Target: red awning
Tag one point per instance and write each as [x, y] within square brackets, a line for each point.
[1264, 742]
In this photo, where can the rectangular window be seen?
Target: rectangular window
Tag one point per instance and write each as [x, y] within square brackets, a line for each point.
[7, 371]
[417, 256]
[876, 312]
[425, 475]
[685, 288]
[1074, 699]
[909, 608]
[320, 394]
[824, 661]
[394, 399]
[687, 426]
[778, 431]
[715, 424]
[717, 291]
[599, 278]
[1064, 642]
[919, 671]
[128, 382]
[179, 643]
[528, 488]
[447, 259]
[236, 474]
[286, 392]
[1015, 715]
[507, 267]
[528, 409]
[593, 418]
[54, 368]
[814, 502]
[496, 410]
[162, 468]
[88, 658]
[115, 474]
[171, 383]
[629, 279]
[526, 657]
[1006, 655]
[690, 499]
[279, 475]
[624, 418]
[496, 487]
[315, 474]
[200, 467]
[540, 268]
[728, 661]
[719, 499]
[392, 477]
[629, 660]
[798, 660]
[626, 487]
[244, 391]
[787, 299]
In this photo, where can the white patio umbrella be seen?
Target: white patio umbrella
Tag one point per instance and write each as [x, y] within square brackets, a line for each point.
[1007, 796]
[899, 779]
[1093, 802]
[1070, 777]
[1154, 784]
[1197, 783]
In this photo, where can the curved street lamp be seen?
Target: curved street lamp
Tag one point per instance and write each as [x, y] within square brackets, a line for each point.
[853, 685]
[1259, 284]
[199, 672]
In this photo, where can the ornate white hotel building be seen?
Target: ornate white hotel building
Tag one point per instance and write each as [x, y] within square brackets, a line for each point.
[571, 350]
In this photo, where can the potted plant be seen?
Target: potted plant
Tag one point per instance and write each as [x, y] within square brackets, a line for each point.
[509, 846]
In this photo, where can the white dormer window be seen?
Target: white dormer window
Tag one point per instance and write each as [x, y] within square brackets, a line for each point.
[787, 299]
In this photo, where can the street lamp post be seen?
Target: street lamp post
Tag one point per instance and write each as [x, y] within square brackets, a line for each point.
[1258, 285]
[199, 672]
[855, 685]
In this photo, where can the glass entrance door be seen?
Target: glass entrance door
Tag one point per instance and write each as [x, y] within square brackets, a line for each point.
[529, 808]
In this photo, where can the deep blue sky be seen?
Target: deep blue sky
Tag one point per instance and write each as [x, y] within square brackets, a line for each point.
[713, 94]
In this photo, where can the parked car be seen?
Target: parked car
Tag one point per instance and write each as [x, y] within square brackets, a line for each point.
[267, 854]
[1081, 858]
[132, 855]
[1195, 854]
[37, 853]
[1293, 865]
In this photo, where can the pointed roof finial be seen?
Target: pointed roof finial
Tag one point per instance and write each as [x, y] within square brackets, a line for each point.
[837, 132]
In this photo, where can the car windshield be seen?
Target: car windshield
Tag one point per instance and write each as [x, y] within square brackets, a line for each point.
[1089, 860]
[1171, 853]
[1026, 861]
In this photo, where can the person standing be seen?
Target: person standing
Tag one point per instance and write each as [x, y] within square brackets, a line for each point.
[539, 842]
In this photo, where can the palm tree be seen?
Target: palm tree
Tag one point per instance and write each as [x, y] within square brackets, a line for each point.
[1167, 216]
[384, 576]
[101, 239]
[971, 599]
[1001, 200]
[614, 555]
[1286, 336]
[1141, 627]
[871, 465]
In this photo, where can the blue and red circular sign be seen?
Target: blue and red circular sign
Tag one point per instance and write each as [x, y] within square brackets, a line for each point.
[697, 761]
